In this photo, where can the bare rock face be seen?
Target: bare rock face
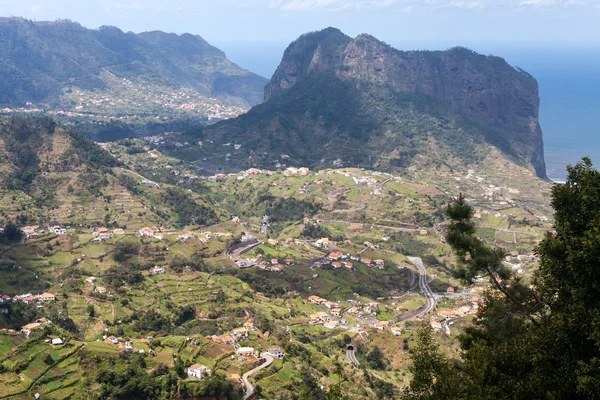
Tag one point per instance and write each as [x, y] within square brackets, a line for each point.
[484, 88]
[311, 53]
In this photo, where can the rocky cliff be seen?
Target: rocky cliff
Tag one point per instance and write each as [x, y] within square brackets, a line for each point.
[482, 88]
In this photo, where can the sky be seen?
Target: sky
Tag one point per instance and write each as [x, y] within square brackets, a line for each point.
[444, 22]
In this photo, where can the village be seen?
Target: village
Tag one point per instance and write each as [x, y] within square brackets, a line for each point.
[343, 273]
[132, 102]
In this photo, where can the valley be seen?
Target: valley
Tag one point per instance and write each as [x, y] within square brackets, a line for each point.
[147, 260]
[167, 234]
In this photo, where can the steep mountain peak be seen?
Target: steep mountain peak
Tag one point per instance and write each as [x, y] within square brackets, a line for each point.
[314, 51]
[497, 102]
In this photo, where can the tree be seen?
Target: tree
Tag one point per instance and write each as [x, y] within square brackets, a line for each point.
[539, 341]
[375, 359]
[433, 376]
[91, 311]
[47, 359]
[478, 259]
[11, 233]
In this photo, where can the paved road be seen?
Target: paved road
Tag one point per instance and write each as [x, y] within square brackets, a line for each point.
[249, 387]
[430, 301]
[412, 278]
[380, 186]
[242, 248]
[352, 357]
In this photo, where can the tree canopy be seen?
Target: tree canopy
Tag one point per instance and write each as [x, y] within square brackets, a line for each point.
[538, 339]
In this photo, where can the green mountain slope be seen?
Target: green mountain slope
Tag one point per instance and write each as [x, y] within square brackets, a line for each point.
[42, 59]
[334, 97]
[51, 174]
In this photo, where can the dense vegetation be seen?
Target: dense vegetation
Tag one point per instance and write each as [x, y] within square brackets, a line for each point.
[290, 209]
[188, 211]
[312, 123]
[126, 378]
[28, 142]
[539, 341]
[22, 138]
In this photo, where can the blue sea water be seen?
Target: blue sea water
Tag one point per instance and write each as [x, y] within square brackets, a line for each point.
[569, 80]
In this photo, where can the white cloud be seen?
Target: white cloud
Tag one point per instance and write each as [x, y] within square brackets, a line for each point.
[551, 3]
[36, 9]
[308, 5]
[467, 4]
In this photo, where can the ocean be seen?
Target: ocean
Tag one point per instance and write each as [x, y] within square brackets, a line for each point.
[569, 80]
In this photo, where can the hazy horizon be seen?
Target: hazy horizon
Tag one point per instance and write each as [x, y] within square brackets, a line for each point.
[568, 22]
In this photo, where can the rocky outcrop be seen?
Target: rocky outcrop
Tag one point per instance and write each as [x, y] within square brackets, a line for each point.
[483, 88]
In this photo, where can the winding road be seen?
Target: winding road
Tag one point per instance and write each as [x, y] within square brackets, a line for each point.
[430, 301]
[249, 387]
[242, 248]
[351, 356]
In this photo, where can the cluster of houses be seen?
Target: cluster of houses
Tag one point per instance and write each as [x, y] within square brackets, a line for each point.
[29, 298]
[249, 173]
[338, 260]
[33, 231]
[444, 317]
[38, 323]
[514, 256]
[359, 309]
[147, 232]
[235, 335]
[121, 344]
[101, 234]
[205, 237]
[355, 308]
[273, 265]
[303, 171]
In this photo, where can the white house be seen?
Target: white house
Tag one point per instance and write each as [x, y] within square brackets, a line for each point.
[275, 352]
[245, 351]
[47, 297]
[145, 232]
[157, 270]
[59, 231]
[198, 371]
[396, 331]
